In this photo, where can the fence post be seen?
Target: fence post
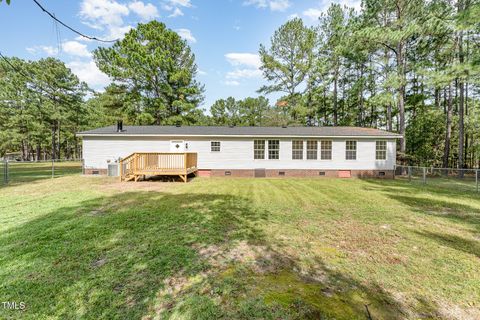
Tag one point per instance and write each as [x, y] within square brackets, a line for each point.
[5, 171]
[409, 174]
[477, 172]
[424, 175]
[53, 168]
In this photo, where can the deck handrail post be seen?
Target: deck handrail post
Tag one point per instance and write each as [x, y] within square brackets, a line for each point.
[185, 160]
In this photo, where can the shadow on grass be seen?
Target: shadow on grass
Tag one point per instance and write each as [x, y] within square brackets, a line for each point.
[450, 190]
[411, 196]
[109, 257]
[453, 241]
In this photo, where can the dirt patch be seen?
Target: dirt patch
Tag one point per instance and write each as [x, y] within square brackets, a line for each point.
[458, 313]
[99, 263]
[259, 258]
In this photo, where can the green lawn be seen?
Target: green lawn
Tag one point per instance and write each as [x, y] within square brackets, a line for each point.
[20, 172]
[93, 248]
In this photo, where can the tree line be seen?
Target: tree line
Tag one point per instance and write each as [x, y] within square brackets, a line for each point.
[408, 66]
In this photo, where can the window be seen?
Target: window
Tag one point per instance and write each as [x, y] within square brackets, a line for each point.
[312, 150]
[215, 146]
[326, 150]
[381, 150]
[259, 149]
[273, 149]
[351, 150]
[297, 149]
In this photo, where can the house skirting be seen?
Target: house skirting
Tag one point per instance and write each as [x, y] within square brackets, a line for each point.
[271, 173]
[279, 173]
[91, 171]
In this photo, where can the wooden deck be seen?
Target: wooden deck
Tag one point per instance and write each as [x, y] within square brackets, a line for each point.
[141, 164]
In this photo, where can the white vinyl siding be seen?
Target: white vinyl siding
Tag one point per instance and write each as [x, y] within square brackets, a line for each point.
[238, 153]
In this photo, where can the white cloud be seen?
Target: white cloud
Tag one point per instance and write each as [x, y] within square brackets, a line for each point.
[293, 16]
[247, 66]
[315, 13]
[356, 4]
[47, 50]
[186, 34]
[105, 15]
[118, 32]
[232, 83]
[279, 5]
[202, 73]
[102, 13]
[244, 74]
[176, 13]
[174, 7]
[312, 13]
[75, 48]
[274, 5]
[144, 11]
[181, 3]
[88, 72]
[245, 59]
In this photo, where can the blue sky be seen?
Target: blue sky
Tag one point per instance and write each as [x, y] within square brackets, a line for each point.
[224, 34]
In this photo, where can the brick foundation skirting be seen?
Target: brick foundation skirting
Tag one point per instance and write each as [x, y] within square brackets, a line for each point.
[298, 173]
[102, 172]
[279, 173]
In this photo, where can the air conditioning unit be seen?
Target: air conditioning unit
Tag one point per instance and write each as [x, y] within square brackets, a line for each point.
[113, 170]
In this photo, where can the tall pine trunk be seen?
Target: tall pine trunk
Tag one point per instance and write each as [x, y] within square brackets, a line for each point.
[461, 101]
[335, 97]
[401, 95]
[448, 124]
[461, 111]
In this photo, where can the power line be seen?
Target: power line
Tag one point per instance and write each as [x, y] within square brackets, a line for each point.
[30, 79]
[14, 67]
[68, 27]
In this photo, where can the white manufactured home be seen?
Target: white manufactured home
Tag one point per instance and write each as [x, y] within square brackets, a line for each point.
[243, 151]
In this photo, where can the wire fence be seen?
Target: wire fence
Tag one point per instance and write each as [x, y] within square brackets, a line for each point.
[461, 179]
[12, 172]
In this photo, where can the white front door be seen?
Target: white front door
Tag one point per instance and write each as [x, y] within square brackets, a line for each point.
[177, 146]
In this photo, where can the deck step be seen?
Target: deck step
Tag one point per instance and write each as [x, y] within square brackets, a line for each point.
[129, 178]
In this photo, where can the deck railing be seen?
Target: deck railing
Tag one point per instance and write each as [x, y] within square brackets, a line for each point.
[158, 163]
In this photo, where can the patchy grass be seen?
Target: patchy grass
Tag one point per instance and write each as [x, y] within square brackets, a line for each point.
[89, 247]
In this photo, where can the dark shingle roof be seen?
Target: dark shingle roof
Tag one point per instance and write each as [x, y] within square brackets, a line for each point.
[240, 131]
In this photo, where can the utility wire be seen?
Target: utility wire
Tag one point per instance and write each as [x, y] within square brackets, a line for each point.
[14, 67]
[68, 27]
[29, 78]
